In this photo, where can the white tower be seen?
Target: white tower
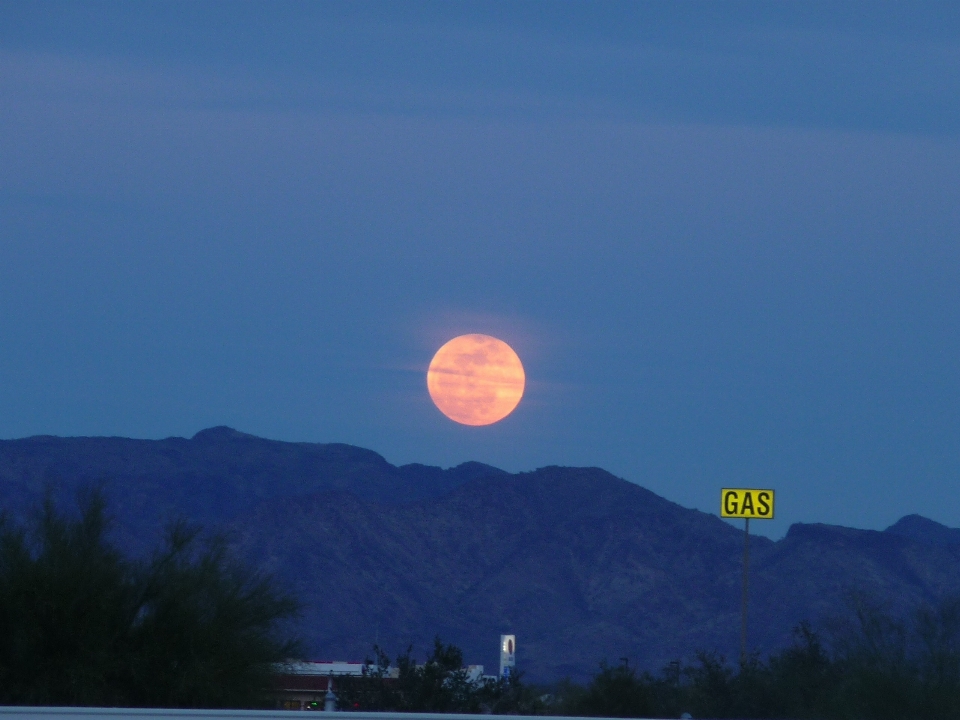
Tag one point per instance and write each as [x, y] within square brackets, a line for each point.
[508, 649]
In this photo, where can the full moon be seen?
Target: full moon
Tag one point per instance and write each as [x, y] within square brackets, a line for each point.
[476, 379]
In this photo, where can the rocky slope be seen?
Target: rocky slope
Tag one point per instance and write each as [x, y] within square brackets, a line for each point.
[579, 564]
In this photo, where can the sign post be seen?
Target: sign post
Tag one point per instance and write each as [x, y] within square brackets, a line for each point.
[748, 504]
[508, 660]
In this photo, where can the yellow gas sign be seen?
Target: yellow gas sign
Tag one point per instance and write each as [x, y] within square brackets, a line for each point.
[746, 503]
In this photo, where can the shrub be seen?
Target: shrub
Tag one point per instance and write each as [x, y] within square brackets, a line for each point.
[80, 624]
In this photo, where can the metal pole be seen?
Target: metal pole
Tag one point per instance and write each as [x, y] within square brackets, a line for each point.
[330, 699]
[743, 597]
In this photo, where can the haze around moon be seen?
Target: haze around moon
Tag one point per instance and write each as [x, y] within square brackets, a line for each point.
[476, 379]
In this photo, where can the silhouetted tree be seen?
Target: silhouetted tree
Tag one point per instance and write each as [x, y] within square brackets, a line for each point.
[615, 692]
[804, 679]
[876, 666]
[441, 684]
[80, 624]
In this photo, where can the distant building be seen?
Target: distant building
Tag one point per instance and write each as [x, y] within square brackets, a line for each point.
[475, 674]
[304, 685]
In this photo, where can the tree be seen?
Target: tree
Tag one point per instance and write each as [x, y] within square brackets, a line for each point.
[616, 692]
[441, 684]
[80, 624]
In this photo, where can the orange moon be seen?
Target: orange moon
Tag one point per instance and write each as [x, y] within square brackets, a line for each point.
[476, 379]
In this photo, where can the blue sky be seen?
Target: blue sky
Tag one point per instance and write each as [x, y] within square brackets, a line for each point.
[722, 237]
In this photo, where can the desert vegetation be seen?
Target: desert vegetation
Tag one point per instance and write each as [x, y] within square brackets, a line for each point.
[866, 665]
[440, 684]
[82, 624]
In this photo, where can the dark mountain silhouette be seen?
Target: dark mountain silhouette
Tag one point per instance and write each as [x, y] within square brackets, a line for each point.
[579, 564]
[924, 530]
[210, 478]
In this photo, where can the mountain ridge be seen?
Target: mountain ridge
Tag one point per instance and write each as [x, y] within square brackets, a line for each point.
[580, 564]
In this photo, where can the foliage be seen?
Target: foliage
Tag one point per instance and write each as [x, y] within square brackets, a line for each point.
[615, 692]
[876, 667]
[441, 684]
[80, 624]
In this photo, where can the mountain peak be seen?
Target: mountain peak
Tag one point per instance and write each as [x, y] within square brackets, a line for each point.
[917, 527]
[220, 432]
[472, 470]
